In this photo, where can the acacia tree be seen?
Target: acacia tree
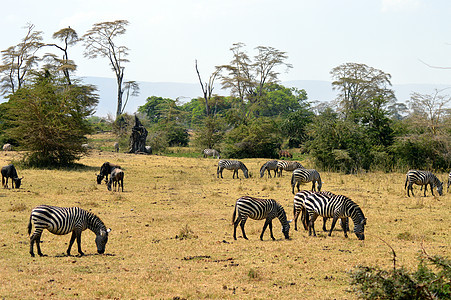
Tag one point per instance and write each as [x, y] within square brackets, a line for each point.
[68, 37]
[100, 41]
[207, 88]
[19, 60]
[358, 85]
[429, 110]
[246, 78]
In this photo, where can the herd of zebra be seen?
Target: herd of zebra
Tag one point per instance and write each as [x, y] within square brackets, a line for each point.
[310, 204]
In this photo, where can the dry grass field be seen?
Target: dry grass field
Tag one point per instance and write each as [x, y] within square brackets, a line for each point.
[172, 238]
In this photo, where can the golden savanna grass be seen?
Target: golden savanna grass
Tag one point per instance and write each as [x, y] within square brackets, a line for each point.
[172, 233]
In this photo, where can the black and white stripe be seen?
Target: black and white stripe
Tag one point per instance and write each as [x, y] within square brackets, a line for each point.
[62, 220]
[259, 209]
[288, 166]
[211, 152]
[422, 178]
[233, 165]
[303, 176]
[336, 206]
[268, 166]
[299, 208]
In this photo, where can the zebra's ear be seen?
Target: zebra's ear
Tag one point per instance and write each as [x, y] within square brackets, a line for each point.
[108, 230]
[363, 221]
[290, 221]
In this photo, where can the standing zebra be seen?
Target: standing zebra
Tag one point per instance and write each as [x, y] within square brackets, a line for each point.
[422, 178]
[303, 176]
[268, 166]
[62, 220]
[232, 165]
[259, 209]
[288, 166]
[299, 207]
[336, 206]
[211, 152]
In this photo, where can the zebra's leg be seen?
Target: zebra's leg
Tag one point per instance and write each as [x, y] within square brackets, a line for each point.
[334, 221]
[344, 226]
[432, 189]
[235, 225]
[305, 218]
[242, 228]
[324, 223]
[71, 242]
[311, 227]
[270, 230]
[313, 186]
[79, 239]
[409, 187]
[36, 237]
[295, 217]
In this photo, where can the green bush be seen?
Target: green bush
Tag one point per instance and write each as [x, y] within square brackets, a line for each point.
[399, 283]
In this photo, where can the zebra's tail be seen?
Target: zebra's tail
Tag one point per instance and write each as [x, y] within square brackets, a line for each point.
[29, 226]
[234, 214]
[405, 184]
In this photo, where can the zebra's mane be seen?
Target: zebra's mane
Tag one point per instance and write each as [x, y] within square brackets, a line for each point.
[94, 222]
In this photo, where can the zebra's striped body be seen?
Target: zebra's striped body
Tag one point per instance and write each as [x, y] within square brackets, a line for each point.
[268, 166]
[299, 208]
[288, 166]
[233, 165]
[211, 152]
[423, 178]
[303, 176]
[336, 206]
[259, 209]
[62, 220]
[449, 182]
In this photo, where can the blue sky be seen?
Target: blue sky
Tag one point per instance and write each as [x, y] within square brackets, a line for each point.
[166, 36]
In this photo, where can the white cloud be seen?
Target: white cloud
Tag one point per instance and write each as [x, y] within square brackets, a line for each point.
[400, 5]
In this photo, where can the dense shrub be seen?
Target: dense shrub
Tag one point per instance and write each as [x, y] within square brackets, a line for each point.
[399, 283]
[261, 138]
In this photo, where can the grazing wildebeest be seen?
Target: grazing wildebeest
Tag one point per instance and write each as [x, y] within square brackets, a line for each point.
[116, 147]
[7, 147]
[9, 171]
[105, 170]
[116, 179]
[285, 153]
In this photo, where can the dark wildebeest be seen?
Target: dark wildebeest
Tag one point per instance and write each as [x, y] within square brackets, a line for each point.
[116, 179]
[106, 170]
[285, 153]
[9, 171]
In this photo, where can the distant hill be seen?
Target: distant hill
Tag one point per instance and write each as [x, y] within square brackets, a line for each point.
[316, 91]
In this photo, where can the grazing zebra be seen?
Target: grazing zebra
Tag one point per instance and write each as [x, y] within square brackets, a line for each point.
[299, 207]
[211, 152]
[259, 209]
[269, 165]
[232, 165]
[303, 176]
[62, 220]
[422, 178]
[288, 166]
[336, 206]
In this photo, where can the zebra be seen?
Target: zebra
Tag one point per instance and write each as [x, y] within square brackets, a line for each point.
[232, 165]
[303, 176]
[288, 166]
[211, 152]
[268, 166]
[259, 209]
[299, 207]
[336, 206]
[422, 178]
[62, 220]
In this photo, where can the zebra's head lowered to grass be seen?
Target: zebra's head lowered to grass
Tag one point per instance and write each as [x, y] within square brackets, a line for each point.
[359, 229]
[101, 240]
